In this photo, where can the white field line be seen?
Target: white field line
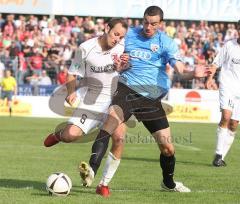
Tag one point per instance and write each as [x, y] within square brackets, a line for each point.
[187, 147]
[160, 191]
[144, 190]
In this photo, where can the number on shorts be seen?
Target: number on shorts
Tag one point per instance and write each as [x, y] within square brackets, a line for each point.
[83, 118]
[230, 103]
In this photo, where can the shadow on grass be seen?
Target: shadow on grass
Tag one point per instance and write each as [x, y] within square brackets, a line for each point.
[177, 161]
[41, 187]
[84, 190]
[208, 164]
[24, 184]
[75, 191]
[140, 159]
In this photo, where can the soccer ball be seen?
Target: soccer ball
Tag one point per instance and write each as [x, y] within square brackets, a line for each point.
[58, 184]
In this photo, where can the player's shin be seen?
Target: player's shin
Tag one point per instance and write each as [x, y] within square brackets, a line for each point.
[229, 138]
[221, 134]
[110, 168]
[99, 149]
[167, 164]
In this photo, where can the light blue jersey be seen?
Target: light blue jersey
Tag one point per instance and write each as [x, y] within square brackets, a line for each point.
[148, 58]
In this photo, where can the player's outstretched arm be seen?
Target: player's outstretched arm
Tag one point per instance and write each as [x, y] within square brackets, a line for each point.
[198, 72]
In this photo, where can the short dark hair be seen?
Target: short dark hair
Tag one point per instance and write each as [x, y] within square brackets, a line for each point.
[154, 11]
[238, 24]
[113, 21]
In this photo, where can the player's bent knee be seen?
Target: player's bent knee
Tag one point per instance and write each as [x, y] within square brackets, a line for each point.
[168, 150]
[224, 123]
[118, 141]
[225, 120]
[71, 134]
[233, 126]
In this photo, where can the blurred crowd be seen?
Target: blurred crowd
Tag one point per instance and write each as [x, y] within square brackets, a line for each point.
[39, 49]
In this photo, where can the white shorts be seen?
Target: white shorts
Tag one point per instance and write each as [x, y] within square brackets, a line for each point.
[91, 112]
[230, 102]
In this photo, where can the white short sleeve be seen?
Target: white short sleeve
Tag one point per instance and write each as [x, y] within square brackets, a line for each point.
[221, 57]
[78, 63]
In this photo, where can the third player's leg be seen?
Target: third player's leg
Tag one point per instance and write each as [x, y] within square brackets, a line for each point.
[225, 118]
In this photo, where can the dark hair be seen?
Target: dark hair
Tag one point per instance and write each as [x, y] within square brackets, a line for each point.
[238, 24]
[114, 21]
[154, 11]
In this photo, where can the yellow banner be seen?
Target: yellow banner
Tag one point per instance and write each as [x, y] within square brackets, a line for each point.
[19, 108]
[19, 2]
[189, 112]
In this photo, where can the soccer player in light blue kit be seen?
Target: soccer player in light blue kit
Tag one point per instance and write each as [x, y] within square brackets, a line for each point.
[139, 93]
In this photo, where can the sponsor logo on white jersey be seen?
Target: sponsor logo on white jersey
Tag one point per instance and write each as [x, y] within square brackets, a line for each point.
[100, 69]
[235, 61]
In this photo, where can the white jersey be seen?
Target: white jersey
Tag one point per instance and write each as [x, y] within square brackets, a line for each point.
[96, 66]
[229, 60]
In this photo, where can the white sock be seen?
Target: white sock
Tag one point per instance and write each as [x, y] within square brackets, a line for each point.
[229, 138]
[221, 133]
[110, 168]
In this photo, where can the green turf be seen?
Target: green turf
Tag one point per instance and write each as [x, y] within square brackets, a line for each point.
[25, 165]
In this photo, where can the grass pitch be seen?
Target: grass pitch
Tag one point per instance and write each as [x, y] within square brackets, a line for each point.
[25, 165]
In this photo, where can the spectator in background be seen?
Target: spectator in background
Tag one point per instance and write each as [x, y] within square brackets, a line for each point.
[44, 79]
[62, 75]
[177, 85]
[2, 21]
[66, 54]
[22, 68]
[222, 29]
[198, 84]
[210, 55]
[33, 81]
[189, 38]
[52, 65]
[44, 22]
[2, 68]
[188, 57]
[99, 27]
[88, 25]
[7, 41]
[6, 59]
[8, 26]
[171, 29]
[35, 62]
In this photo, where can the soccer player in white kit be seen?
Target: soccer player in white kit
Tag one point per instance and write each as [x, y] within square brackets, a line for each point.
[97, 61]
[228, 59]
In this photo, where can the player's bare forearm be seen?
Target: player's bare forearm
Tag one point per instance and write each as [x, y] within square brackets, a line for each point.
[213, 70]
[210, 82]
[199, 71]
[71, 83]
[182, 72]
